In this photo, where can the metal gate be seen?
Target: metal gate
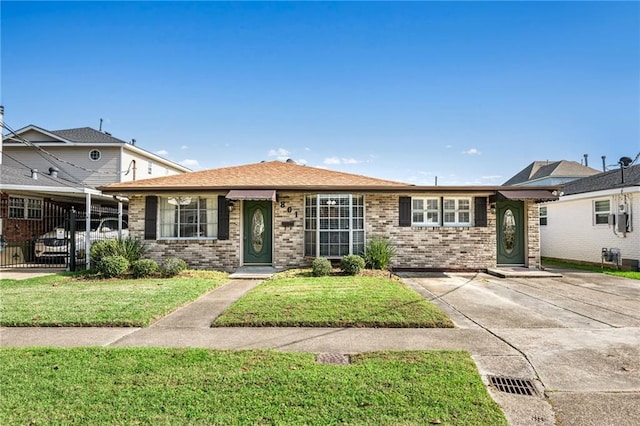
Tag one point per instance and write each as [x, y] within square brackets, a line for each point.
[49, 237]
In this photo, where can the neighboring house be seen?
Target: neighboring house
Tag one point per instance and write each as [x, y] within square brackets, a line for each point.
[550, 173]
[46, 173]
[596, 219]
[84, 155]
[283, 215]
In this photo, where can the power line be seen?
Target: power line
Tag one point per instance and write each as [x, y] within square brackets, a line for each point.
[41, 151]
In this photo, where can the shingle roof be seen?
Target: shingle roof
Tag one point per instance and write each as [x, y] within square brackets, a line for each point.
[541, 169]
[266, 175]
[86, 135]
[607, 180]
[22, 177]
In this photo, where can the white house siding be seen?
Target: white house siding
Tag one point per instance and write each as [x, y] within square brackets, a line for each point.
[89, 172]
[158, 169]
[571, 234]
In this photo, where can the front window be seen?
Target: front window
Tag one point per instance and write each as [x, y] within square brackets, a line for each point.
[456, 211]
[334, 225]
[188, 217]
[25, 208]
[425, 211]
[543, 215]
[601, 210]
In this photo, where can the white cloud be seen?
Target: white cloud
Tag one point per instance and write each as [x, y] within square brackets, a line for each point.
[301, 161]
[492, 177]
[337, 160]
[306, 148]
[331, 160]
[350, 161]
[192, 164]
[183, 147]
[162, 152]
[449, 146]
[280, 152]
[472, 151]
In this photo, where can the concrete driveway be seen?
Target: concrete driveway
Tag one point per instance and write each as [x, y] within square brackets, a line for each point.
[578, 337]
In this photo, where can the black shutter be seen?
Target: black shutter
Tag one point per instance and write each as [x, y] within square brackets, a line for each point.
[405, 211]
[223, 218]
[150, 217]
[480, 208]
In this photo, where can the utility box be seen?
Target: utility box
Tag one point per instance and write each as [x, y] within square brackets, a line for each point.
[623, 222]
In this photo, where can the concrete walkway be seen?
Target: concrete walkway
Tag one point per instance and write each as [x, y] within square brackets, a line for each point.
[577, 340]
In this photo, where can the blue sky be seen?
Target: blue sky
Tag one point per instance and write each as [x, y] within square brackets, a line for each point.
[470, 92]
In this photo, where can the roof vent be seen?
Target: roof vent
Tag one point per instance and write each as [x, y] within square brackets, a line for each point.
[625, 161]
[291, 161]
[53, 172]
[34, 174]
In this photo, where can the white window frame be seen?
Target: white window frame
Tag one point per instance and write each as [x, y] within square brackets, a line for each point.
[324, 219]
[458, 211]
[425, 210]
[26, 208]
[149, 167]
[178, 214]
[543, 215]
[601, 213]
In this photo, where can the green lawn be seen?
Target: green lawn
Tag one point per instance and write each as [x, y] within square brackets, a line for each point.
[625, 274]
[197, 387]
[72, 300]
[295, 299]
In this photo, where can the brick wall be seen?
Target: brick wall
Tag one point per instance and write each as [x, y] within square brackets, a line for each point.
[430, 247]
[467, 248]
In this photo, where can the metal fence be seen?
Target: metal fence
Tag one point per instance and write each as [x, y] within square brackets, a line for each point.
[56, 239]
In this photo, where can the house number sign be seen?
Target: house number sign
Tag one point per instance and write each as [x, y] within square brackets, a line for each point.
[289, 209]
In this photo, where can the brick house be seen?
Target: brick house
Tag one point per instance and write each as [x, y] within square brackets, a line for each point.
[283, 214]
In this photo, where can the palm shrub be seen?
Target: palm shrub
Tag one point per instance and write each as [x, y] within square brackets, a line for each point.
[320, 267]
[378, 253]
[352, 264]
[113, 266]
[130, 248]
[144, 268]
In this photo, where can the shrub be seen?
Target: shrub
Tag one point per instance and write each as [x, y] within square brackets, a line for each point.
[113, 266]
[320, 267]
[352, 264]
[172, 267]
[103, 248]
[378, 253]
[144, 268]
[130, 248]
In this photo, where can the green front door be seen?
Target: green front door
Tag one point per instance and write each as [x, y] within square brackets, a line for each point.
[257, 232]
[510, 232]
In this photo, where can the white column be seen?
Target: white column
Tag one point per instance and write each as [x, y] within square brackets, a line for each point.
[87, 240]
[119, 219]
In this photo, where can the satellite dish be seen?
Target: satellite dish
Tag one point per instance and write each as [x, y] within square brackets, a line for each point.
[625, 161]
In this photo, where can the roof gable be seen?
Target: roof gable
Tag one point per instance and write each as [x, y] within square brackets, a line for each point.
[269, 175]
[542, 169]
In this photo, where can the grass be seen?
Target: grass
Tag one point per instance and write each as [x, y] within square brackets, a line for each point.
[73, 300]
[609, 271]
[196, 386]
[295, 299]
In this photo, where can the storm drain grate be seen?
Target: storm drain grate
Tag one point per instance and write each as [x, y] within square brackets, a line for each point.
[513, 385]
[329, 358]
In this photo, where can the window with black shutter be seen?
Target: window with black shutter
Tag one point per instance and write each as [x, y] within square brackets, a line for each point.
[150, 217]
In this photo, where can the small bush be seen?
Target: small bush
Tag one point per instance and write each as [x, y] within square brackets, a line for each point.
[103, 248]
[130, 248]
[352, 264]
[144, 268]
[378, 253]
[112, 266]
[172, 267]
[320, 267]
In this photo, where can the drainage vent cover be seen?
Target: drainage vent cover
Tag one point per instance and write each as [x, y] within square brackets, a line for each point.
[513, 385]
[328, 358]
